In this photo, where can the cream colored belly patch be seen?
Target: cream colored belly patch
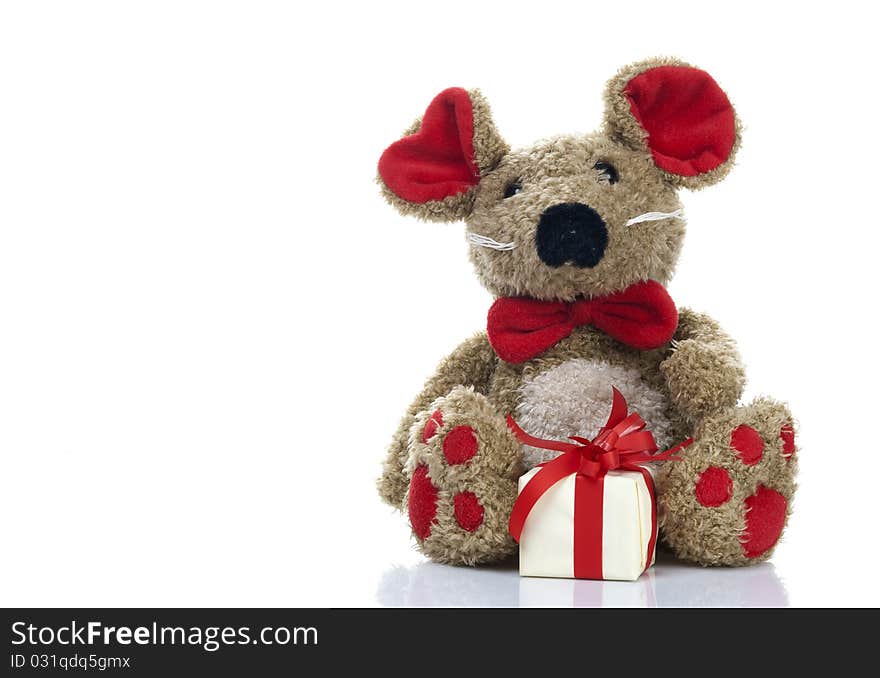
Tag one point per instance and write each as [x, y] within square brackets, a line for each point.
[574, 398]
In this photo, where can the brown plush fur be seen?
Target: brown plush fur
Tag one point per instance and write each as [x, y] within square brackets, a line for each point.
[561, 170]
[698, 377]
[703, 373]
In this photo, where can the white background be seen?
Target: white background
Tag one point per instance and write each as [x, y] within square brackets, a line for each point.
[210, 322]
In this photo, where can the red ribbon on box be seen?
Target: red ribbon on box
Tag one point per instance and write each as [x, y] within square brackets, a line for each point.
[621, 444]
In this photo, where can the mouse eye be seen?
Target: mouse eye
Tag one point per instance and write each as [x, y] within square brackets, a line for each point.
[607, 172]
[512, 188]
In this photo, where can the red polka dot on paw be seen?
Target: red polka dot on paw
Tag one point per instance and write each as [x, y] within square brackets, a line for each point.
[787, 435]
[431, 426]
[459, 445]
[714, 487]
[468, 511]
[748, 444]
[422, 502]
[765, 518]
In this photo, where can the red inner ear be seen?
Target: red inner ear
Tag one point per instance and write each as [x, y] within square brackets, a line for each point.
[437, 161]
[689, 120]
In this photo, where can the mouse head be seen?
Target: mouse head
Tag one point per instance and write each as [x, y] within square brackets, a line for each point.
[572, 216]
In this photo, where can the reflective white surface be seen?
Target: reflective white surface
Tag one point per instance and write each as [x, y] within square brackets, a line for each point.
[668, 584]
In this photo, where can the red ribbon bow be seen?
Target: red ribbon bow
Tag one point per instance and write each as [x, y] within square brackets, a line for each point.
[621, 444]
[642, 316]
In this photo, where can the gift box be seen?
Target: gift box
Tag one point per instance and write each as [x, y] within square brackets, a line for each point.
[546, 545]
[590, 513]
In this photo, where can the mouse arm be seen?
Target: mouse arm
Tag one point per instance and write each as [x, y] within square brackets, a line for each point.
[703, 372]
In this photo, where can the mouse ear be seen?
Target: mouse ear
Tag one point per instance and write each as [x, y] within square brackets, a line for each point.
[433, 171]
[679, 114]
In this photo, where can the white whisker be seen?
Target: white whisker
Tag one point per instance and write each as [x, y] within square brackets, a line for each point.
[656, 216]
[485, 241]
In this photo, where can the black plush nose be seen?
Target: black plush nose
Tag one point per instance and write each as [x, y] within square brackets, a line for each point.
[571, 232]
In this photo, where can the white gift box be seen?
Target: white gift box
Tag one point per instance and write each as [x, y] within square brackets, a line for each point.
[546, 545]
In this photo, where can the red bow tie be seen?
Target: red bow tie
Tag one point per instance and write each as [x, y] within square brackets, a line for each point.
[642, 316]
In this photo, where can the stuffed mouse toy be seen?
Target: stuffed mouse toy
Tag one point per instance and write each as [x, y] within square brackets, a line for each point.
[576, 237]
